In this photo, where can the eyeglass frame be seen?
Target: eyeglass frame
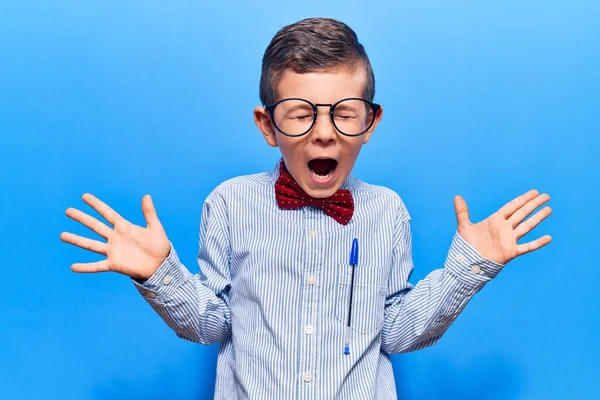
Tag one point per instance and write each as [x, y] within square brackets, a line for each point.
[374, 106]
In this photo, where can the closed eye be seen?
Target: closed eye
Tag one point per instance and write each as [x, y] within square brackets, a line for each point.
[345, 116]
[302, 117]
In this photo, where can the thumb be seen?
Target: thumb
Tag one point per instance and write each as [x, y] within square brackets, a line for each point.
[462, 212]
[150, 212]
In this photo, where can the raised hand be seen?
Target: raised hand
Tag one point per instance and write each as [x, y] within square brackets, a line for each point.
[495, 238]
[131, 250]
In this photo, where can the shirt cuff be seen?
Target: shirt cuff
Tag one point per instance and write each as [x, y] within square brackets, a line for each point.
[165, 280]
[468, 266]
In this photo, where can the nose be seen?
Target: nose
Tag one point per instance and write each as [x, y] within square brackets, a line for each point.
[323, 132]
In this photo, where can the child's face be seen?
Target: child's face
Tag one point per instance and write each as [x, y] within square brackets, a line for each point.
[322, 178]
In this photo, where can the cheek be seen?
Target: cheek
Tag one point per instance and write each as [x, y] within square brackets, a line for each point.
[285, 146]
[290, 149]
[353, 147]
[291, 146]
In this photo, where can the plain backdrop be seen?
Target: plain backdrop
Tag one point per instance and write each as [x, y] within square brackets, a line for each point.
[122, 98]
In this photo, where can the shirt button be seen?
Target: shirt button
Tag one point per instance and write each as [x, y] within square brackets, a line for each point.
[308, 329]
[476, 269]
[167, 279]
[311, 280]
[312, 233]
[460, 258]
[151, 295]
[307, 376]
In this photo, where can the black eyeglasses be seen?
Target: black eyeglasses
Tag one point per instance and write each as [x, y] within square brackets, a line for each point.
[295, 117]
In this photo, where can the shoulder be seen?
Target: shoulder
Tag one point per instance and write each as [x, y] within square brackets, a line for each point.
[244, 181]
[235, 195]
[241, 186]
[387, 197]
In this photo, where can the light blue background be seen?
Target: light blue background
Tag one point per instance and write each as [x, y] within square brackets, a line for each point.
[122, 98]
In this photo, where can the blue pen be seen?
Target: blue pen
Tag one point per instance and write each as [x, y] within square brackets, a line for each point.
[353, 263]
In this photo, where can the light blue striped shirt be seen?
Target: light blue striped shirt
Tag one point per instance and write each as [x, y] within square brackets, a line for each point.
[274, 290]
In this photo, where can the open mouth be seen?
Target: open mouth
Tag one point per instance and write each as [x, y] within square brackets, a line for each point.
[322, 168]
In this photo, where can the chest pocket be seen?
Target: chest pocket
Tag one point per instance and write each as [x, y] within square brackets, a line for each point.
[368, 299]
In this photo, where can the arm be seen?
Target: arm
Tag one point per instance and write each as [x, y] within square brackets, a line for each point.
[195, 306]
[416, 317]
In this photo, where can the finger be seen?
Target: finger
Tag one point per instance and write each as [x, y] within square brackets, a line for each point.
[88, 244]
[509, 208]
[98, 266]
[534, 245]
[522, 213]
[89, 221]
[462, 211]
[526, 226]
[103, 209]
[150, 212]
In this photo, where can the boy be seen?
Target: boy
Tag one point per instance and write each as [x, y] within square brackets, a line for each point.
[298, 312]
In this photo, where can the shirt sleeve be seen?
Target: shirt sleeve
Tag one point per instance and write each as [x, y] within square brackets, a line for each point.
[196, 306]
[417, 316]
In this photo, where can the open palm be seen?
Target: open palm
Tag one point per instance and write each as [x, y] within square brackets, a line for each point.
[495, 238]
[131, 250]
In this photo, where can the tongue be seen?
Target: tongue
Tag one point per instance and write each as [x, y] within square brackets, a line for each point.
[322, 166]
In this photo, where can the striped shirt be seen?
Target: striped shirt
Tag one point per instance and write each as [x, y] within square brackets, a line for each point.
[274, 289]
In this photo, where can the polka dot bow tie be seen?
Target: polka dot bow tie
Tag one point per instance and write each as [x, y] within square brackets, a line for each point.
[290, 195]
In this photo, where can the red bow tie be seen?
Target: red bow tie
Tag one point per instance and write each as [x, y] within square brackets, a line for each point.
[290, 195]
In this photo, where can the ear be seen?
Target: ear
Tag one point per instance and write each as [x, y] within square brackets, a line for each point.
[368, 133]
[263, 122]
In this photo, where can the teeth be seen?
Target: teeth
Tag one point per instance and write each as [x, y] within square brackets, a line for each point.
[322, 177]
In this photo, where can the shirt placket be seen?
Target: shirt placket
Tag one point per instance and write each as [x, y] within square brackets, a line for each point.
[312, 267]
